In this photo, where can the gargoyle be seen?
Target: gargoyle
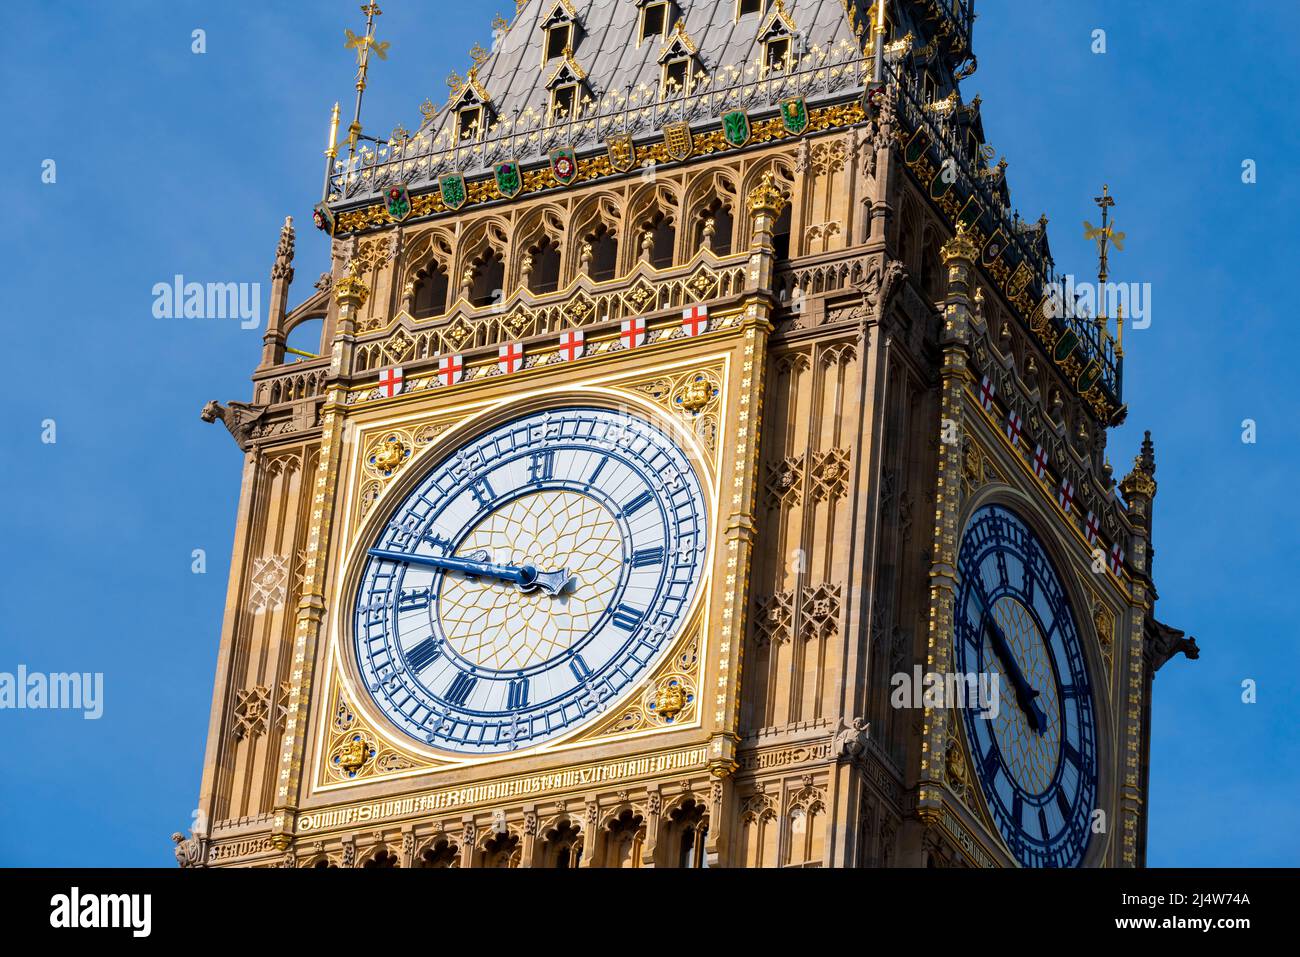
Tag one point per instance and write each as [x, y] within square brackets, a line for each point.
[238, 417]
[1163, 642]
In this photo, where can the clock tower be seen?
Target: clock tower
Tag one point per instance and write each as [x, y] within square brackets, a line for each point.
[689, 467]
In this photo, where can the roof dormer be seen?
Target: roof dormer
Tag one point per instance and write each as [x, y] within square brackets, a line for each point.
[567, 87]
[472, 106]
[679, 59]
[779, 37]
[560, 31]
[653, 20]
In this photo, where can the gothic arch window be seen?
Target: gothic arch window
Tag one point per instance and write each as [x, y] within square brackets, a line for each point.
[658, 239]
[381, 858]
[781, 234]
[932, 279]
[431, 286]
[624, 838]
[602, 266]
[687, 831]
[323, 862]
[305, 336]
[501, 850]
[714, 228]
[562, 846]
[441, 853]
[485, 278]
[541, 266]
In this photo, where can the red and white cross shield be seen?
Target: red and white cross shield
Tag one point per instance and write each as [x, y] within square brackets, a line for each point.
[1116, 558]
[632, 331]
[510, 357]
[987, 390]
[1091, 528]
[450, 369]
[695, 320]
[1040, 462]
[1013, 427]
[390, 381]
[1066, 495]
[572, 345]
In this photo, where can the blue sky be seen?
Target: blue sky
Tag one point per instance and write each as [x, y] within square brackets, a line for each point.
[170, 162]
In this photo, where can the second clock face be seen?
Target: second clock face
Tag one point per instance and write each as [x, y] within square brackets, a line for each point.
[1036, 758]
[533, 576]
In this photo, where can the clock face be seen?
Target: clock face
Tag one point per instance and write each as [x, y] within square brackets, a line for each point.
[534, 575]
[1037, 758]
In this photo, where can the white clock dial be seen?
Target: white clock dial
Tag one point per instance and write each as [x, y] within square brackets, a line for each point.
[532, 577]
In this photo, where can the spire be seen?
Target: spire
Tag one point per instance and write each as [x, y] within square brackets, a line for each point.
[283, 266]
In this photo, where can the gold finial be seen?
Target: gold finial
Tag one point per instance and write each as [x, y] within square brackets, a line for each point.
[961, 246]
[767, 197]
[478, 54]
[500, 24]
[455, 82]
[428, 109]
[1119, 332]
[332, 147]
[1104, 235]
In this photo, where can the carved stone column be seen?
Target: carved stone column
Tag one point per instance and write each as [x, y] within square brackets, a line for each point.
[959, 257]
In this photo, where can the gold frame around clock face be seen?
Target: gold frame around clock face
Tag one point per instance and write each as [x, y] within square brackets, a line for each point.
[488, 418]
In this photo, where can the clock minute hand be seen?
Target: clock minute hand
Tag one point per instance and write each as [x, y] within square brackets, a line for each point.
[527, 577]
[1026, 696]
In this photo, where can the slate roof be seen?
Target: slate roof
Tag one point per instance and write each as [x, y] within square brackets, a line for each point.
[622, 81]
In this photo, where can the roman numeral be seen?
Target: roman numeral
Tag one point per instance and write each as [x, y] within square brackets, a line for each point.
[627, 617]
[1042, 823]
[412, 599]
[483, 491]
[518, 694]
[1071, 754]
[579, 668]
[424, 654]
[1017, 810]
[638, 503]
[643, 557]
[460, 688]
[542, 466]
[595, 473]
[1063, 803]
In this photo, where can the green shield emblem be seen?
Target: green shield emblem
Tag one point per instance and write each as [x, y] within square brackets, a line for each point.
[1066, 345]
[454, 193]
[735, 127]
[794, 115]
[509, 179]
[1089, 376]
[970, 213]
[397, 202]
[916, 146]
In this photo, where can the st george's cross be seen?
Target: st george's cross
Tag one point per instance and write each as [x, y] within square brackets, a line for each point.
[1013, 427]
[390, 381]
[695, 320]
[1091, 528]
[1040, 462]
[987, 391]
[1116, 558]
[451, 369]
[632, 332]
[572, 344]
[510, 357]
[1066, 495]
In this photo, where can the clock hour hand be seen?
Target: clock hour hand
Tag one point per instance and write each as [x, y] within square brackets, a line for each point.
[1026, 696]
[527, 577]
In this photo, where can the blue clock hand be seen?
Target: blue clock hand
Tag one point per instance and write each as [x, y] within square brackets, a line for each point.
[1026, 696]
[527, 577]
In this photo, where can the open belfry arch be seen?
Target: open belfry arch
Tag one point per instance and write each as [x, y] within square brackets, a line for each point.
[770, 235]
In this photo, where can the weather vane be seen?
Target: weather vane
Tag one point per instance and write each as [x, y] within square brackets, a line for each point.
[1104, 235]
[364, 45]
